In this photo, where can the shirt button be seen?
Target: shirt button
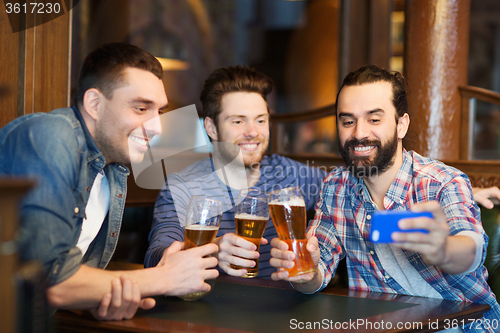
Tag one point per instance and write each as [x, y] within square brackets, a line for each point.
[368, 217]
[372, 253]
[387, 277]
[113, 234]
[120, 195]
[77, 210]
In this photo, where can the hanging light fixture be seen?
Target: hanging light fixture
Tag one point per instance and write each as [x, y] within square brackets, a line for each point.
[166, 47]
[163, 44]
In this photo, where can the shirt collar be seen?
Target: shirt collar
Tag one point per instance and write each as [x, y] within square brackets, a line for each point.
[360, 189]
[94, 153]
[398, 191]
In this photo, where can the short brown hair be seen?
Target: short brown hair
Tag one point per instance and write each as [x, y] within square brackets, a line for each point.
[103, 68]
[372, 74]
[231, 79]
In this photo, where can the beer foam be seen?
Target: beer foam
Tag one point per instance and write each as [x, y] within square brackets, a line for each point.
[295, 201]
[247, 216]
[201, 227]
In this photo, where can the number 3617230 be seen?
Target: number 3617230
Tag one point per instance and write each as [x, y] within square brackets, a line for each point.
[33, 8]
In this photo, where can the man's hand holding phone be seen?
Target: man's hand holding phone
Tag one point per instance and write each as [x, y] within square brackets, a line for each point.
[433, 245]
[385, 222]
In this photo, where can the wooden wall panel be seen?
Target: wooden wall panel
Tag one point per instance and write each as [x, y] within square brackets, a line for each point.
[364, 34]
[9, 63]
[380, 33]
[34, 65]
[47, 61]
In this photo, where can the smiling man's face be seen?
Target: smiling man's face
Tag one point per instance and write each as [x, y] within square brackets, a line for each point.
[130, 118]
[243, 121]
[368, 132]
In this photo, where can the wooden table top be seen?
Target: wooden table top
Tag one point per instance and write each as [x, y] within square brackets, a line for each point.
[258, 305]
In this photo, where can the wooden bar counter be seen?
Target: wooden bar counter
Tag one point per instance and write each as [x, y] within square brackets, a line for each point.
[257, 305]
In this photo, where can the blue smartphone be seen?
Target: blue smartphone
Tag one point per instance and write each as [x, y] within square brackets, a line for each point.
[385, 222]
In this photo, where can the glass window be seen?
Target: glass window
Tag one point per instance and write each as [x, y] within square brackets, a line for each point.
[484, 72]
[486, 130]
[484, 49]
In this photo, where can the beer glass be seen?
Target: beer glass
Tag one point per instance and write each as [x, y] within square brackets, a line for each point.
[288, 212]
[203, 218]
[251, 217]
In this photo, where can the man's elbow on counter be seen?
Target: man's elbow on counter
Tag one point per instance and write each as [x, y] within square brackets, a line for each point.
[56, 297]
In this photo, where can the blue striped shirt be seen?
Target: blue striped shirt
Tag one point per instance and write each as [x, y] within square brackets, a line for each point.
[199, 179]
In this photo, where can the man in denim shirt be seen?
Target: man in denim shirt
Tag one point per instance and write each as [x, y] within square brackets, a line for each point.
[71, 221]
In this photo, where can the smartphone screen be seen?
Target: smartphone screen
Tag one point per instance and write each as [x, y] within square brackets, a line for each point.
[385, 222]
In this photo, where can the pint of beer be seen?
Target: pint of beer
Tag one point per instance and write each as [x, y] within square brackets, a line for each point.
[202, 223]
[251, 218]
[198, 234]
[288, 212]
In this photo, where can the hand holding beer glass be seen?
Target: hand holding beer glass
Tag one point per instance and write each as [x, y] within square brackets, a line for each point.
[288, 212]
[251, 217]
[203, 218]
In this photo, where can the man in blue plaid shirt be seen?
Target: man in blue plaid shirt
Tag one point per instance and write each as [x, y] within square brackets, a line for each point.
[446, 262]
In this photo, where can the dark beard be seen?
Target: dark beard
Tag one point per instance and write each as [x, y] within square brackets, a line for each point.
[362, 166]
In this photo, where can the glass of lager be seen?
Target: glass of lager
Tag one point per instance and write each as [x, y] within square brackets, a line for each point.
[251, 217]
[288, 212]
[203, 218]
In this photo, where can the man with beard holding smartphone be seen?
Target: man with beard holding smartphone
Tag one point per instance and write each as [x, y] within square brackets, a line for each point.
[444, 262]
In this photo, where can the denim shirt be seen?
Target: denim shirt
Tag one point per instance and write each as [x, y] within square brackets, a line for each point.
[57, 150]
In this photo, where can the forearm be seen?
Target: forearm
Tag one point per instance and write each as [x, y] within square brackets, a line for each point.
[161, 238]
[459, 255]
[163, 234]
[86, 288]
[82, 290]
[154, 255]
